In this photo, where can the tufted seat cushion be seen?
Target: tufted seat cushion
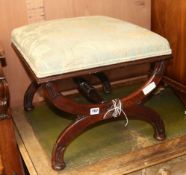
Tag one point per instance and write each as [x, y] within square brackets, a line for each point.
[72, 44]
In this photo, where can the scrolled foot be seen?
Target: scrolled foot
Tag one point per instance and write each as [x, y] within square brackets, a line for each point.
[28, 107]
[140, 112]
[67, 136]
[159, 131]
[29, 95]
[58, 166]
[58, 162]
[160, 137]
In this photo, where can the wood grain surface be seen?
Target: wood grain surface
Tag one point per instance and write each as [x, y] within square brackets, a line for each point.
[136, 11]
[8, 146]
[169, 20]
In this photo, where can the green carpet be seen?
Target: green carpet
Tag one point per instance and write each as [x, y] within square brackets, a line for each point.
[107, 139]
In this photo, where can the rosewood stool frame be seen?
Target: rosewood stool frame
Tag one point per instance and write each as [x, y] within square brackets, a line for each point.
[131, 105]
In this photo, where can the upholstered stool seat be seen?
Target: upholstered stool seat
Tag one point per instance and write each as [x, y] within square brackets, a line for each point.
[68, 48]
[67, 45]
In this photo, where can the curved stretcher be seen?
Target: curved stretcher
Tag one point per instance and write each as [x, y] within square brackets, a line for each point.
[69, 48]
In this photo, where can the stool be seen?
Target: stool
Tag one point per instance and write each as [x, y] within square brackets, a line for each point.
[69, 48]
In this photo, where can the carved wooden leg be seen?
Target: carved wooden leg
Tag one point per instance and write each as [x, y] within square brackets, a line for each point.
[66, 137]
[29, 95]
[131, 108]
[105, 82]
[137, 112]
[140, 112]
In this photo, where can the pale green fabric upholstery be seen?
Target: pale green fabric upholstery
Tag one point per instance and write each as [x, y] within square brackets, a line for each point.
[66, 45]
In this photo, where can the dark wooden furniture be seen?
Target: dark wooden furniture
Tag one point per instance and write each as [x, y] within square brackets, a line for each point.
[11, 160]
[169, 20]
[130, 106]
